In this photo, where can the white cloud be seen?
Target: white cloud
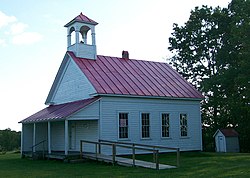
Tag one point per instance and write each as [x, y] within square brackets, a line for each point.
[5, 19]
[26, 38]
[18, 28]
[17, 31]
[2, 42]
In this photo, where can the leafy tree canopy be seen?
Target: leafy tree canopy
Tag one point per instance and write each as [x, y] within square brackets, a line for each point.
[212, 51]
[9, 140]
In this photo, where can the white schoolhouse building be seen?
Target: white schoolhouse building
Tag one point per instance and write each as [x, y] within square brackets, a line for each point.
[113, 98]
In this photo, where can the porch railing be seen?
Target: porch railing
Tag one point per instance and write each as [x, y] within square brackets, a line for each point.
[37, 144]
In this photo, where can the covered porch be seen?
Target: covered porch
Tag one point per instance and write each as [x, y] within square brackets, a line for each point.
[58, 129]
[62, 136]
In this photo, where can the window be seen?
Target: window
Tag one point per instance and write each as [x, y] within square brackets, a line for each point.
[123, 125]
[165, 125]
[183, 124]
[145, 125]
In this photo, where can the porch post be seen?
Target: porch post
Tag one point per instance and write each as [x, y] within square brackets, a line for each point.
[49, 143]
[34, 137]
[66, 137]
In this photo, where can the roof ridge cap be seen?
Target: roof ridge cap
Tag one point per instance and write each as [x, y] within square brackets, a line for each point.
[150, 61]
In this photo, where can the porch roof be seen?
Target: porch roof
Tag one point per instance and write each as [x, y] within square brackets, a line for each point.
[58, 112]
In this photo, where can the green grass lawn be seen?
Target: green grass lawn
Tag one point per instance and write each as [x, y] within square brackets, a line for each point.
[193, 164]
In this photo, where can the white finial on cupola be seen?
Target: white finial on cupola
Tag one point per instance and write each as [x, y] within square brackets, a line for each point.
[81, 25]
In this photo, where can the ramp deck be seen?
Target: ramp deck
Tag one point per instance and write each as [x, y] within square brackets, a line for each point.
[125, 161]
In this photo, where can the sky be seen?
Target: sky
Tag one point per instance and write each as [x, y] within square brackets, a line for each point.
[33, 42]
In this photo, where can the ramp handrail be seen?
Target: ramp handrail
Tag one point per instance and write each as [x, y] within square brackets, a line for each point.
[149, 146]
[138, 144]
[132, 146]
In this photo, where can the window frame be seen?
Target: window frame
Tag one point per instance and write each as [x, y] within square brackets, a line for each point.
[185, 126]
[161, 118]
[148, 126]
[127, 126]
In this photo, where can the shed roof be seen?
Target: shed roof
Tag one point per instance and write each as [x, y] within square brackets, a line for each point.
[120, 76]
[229, 132]
[58, 112]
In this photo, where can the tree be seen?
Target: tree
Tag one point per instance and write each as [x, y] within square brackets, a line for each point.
[212, 52]
[9, 140]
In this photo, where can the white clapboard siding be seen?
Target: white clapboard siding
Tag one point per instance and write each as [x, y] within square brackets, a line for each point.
[27, 137]
[90, 112]
[84, 130]
[232, 144]
[41, 135]
[135, 106]
[57, 136]
[78, 130]
[73, 85]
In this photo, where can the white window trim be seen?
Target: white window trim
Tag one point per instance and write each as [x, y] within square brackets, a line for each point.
[180, 124]
[150, 132]
[169, 125]
[118, 137]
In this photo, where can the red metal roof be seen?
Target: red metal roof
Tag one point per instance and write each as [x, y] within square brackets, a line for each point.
[58, 112]
[81, 18]
[112, 75]
[229, 132]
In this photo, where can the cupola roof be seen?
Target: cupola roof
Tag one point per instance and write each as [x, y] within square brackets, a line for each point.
[81, 18]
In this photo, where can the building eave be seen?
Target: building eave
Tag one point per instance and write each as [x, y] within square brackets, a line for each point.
[57, 79]
[146, 97]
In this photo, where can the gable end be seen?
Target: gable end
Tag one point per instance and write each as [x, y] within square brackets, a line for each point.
[70, 84]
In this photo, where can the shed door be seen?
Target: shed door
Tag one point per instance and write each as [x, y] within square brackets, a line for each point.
[221, 144]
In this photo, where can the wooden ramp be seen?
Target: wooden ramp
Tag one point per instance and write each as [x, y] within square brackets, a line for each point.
[124, 161]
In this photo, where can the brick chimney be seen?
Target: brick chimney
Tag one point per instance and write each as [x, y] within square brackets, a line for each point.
[125, 55]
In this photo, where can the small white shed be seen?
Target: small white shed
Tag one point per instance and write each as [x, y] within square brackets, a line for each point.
[227, 140]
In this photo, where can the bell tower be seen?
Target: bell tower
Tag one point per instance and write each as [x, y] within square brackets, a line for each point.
[80, 26]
